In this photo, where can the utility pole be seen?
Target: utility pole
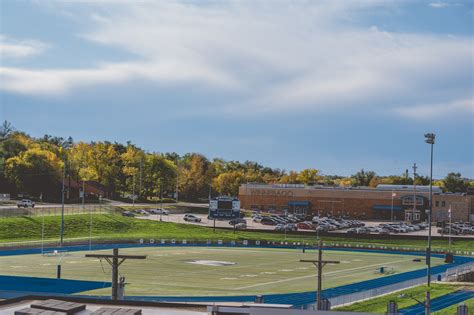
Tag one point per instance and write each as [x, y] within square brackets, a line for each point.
[177, 182]
[62, 203]
[113, 260]
[319, 263]
[214, 217]
[414, 191]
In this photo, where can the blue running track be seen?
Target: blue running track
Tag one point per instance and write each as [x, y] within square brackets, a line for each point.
[439, 303]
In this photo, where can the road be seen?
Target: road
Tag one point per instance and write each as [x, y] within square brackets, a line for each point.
[108, 202]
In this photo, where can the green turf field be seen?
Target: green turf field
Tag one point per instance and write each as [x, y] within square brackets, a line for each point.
[169, 271]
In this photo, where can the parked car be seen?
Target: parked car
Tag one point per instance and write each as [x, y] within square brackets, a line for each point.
[268, 221]
[159, 211]
[143, 212]
[257, 218]
[25, 203]
[128, 214]
[305, 226]
[191, 218]
[237, 221]
[241, 226]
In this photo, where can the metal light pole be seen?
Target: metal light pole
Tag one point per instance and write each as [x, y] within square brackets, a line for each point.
[67, 144]
[391, 209]
[133, 191]
[161, 202]
[62, 203]
[430, 139]
[83, 193]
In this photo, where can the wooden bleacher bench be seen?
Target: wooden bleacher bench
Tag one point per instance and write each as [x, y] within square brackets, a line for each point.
[63, 307]
[37, 311]
[117, 311]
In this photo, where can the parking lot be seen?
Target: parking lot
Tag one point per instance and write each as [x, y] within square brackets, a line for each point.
[324, 224]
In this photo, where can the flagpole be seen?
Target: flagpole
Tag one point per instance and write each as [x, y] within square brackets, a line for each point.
[449, 237]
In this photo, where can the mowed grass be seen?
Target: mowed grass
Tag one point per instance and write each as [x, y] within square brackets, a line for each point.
[168, 271]
[379, 305]
[116, 227]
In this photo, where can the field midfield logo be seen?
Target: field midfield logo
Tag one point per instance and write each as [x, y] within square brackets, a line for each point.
[213, 263]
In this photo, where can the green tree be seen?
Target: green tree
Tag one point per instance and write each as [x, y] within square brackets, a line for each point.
[363, 178]
[453, 182]
[158, 170]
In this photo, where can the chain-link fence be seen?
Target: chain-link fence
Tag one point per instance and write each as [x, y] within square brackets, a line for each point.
[56, 210]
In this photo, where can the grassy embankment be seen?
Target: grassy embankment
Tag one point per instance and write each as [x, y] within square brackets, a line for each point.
[379, 305]
[110, 226]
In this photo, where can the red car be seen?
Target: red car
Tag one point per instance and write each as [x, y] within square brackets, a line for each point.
[305, 226]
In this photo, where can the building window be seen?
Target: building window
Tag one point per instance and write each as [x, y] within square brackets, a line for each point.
[272, 208]
[437, 204]
[443, 203]
[254, 207]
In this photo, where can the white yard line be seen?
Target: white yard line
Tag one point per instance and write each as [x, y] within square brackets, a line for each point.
[312, 276]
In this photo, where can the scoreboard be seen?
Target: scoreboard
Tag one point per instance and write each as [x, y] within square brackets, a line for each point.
[224, 208]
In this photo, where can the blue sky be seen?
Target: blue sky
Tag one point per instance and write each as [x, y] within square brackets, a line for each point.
[335, 85]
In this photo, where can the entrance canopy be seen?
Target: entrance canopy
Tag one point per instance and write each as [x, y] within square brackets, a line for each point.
[387, 207]
[298, 203]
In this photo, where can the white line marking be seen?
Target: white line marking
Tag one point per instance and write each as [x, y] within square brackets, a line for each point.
[313, 276]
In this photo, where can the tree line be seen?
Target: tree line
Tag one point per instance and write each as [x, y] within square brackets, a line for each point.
[35, 166]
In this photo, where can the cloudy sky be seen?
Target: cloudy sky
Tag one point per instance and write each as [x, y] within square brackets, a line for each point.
[337, 85]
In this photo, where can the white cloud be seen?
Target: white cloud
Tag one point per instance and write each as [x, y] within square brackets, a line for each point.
[438, 5]
[276, 57]
[438, 110]
[12, 48]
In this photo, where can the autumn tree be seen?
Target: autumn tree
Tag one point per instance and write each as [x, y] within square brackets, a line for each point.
[308, 176]
[195, 176]
[35, 171]
[228, 183]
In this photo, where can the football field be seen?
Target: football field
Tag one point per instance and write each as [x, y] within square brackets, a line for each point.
[201, 271]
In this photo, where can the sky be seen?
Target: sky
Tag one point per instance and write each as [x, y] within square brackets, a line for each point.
[335, 85]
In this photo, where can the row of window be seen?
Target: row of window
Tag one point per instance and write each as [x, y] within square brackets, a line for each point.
[285, 208]
[443, 203]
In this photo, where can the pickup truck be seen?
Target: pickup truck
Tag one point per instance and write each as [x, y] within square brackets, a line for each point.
[25, 203]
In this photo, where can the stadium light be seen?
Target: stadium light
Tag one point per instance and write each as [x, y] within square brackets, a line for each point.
[64, 146]
[430, 139]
